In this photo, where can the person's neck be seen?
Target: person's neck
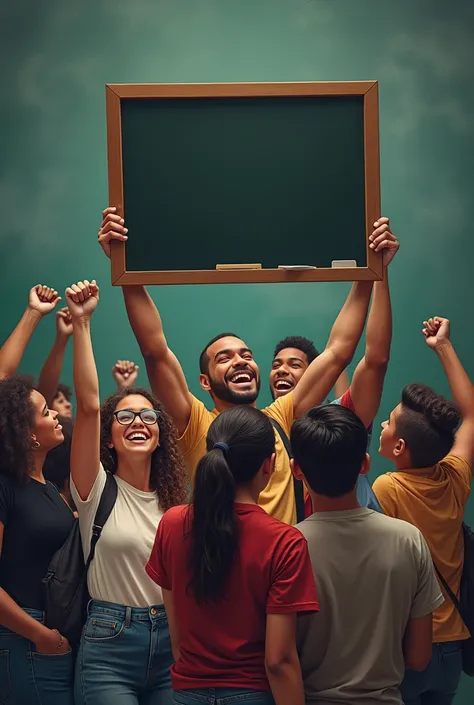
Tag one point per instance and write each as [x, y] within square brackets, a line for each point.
[334, 504]
[37, 472]
[246, 495]
[221, 405]
[136, 473]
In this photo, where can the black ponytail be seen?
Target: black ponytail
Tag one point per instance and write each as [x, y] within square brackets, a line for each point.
[238, 442]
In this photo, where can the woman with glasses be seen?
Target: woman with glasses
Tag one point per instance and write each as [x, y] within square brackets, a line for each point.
[125, 652]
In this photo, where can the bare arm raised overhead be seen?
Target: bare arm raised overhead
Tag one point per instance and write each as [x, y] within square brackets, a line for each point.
[82, 299]
[437, 336]
[165, 373]
[369, 375]
[49, 376]
[41, 301]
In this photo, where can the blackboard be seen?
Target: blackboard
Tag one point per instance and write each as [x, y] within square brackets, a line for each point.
[206, 176]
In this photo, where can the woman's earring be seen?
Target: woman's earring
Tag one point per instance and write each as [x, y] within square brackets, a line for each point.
[36, 445]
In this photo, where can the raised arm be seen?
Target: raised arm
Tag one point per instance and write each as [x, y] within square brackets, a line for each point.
[367, 382]
[49, 376]
[82, 299]
[41, 301]
[320, 377]
[437, 336]
[164, 371]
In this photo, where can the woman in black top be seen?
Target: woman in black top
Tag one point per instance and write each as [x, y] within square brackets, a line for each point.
[36, 663]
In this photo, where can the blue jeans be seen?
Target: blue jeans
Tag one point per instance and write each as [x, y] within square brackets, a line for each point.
[124, 657]
[222, 696]
[30, 678]
[438, 683]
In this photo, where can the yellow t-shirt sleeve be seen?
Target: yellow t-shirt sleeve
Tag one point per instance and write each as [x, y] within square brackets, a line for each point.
[386, 493]
[193, 441]
[460, 471]
[282, 410]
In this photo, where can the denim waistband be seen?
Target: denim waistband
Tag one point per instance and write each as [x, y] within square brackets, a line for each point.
[130, 614]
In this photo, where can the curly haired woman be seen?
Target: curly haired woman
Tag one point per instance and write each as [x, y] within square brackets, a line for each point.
[36, 662]
[125, 652]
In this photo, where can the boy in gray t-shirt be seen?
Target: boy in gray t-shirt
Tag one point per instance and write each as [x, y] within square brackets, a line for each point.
[375, 578]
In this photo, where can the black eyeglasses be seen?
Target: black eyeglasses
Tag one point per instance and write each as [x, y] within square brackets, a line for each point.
[126, 417]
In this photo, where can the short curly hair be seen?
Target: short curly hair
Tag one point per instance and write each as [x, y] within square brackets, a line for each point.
[65, 390]
[168, 475]
[299, 343]
[17, 417]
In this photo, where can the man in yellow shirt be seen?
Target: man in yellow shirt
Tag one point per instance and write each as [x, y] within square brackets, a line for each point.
[231, 376]
[430, 489]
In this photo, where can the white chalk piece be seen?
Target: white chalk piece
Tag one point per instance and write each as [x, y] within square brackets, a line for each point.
[296, 267]
[343, 263]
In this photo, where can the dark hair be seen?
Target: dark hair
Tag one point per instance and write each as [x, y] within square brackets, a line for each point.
[329, 444]
[214, 526]
[63, 389]
[167, 476]
[427, 423]
[17, 416]
[297, 341]
[28, 379]
[56, 466]
[204, 357]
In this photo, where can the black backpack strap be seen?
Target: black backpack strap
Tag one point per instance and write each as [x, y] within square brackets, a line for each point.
[448, 590]
[106, 504]
[297, 484]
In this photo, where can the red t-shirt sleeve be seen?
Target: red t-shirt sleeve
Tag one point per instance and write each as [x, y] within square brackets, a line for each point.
[293, 588]
[156, 566]
[346, 400]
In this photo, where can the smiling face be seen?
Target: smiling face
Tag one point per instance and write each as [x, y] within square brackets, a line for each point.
[233, 375]
[288, 368]
[137, 438]
[47, 431]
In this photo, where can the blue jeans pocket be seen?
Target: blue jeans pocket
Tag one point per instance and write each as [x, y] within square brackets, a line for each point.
[5, 682]
[452, 664]
[103, 628]
[54, 676]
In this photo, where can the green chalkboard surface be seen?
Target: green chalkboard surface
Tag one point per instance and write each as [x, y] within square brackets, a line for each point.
[273, 180]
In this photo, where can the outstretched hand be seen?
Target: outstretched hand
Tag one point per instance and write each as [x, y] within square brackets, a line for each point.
[125, 373]
[82, 299]
[383, 240]
[112, 228]
[436, 331]
[43, 299]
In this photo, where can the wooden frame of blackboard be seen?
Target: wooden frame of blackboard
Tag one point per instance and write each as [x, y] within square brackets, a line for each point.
[115, 93]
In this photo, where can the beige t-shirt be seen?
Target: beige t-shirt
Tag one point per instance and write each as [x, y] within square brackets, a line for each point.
[373, 574]
[117, 573]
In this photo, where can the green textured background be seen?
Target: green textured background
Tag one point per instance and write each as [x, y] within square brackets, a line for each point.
[56, 58]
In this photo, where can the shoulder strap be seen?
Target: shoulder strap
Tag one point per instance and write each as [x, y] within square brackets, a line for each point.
[297, 484]
[106, 504]
[448, 590]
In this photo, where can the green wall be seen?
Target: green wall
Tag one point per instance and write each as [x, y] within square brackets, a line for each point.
[56, 58]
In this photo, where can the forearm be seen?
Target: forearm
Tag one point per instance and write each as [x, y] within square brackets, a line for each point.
[379, 325]
[17, 620]
[86, 381]
[145, 322]
[461, 386]
[349, 324]
[342, 384]
[13, 349]
[286, 683]
[51, 372]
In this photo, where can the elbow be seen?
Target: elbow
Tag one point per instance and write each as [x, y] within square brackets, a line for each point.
[377, 361]
[277, 666]
[88, 407]
[342, 355]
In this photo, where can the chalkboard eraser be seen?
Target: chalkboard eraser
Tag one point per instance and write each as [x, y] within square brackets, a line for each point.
[343, 263]
[238, 266]
[296, 267]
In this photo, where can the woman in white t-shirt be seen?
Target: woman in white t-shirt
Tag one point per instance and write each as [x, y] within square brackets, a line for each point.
[125, 652]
